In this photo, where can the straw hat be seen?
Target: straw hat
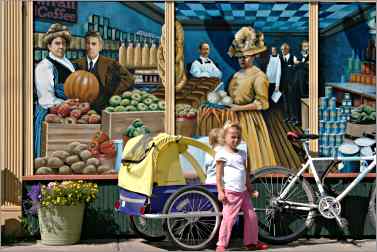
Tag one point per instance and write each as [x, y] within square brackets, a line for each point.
[57, 30]
[247, 42]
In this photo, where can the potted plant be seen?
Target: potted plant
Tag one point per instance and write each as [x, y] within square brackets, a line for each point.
[60, 208]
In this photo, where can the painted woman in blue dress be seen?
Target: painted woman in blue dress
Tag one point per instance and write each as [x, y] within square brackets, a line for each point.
[50, 75]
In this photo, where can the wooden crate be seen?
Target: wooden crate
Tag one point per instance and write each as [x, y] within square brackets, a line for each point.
[115, 123]
[56, 136]
[357, 130]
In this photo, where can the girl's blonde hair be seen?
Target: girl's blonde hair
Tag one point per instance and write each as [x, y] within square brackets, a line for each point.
[216, 136]
[229, 124]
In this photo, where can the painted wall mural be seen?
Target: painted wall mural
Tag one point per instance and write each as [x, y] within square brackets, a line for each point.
[93, 80]
[347, 83]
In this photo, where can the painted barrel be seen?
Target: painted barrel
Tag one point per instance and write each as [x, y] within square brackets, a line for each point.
[349, 150]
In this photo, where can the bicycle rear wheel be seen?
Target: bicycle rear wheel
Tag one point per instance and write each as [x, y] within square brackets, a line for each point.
[278, 223]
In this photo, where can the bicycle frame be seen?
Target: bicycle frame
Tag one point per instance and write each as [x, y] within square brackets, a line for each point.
[310, 165]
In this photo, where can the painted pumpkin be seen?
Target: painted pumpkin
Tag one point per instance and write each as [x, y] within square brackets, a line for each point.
[82, 85]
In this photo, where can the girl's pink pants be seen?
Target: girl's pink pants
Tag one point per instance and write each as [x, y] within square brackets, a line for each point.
[237, 201]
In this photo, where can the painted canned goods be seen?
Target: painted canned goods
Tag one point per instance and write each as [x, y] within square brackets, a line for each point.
[326, 115]
[334, 151]
[328, 91]
[333, 115]
[324, 102]
[339, 138]
[342, 126]
[349, 102]
[332, 139]
[322, 126]
[339, 113]
[328, 127]
[320, 150]
[324, 139]
[332, 104]
[326, 151]
[334, 127]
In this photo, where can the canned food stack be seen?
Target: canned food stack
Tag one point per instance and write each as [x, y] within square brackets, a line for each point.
[332, 125]
[347, 106]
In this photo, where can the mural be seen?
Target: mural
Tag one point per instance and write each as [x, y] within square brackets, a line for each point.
[95, 68]
[347, 74]
[248, 63]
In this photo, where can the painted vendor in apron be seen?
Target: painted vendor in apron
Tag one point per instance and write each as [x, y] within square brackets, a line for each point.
[50, 75]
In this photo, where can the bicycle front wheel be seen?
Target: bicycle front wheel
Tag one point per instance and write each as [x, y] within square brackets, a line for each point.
[278, 222]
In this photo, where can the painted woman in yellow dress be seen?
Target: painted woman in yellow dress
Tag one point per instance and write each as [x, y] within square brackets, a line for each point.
[249, 90]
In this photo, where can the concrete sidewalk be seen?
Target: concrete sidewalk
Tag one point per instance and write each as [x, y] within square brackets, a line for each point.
[303, 245]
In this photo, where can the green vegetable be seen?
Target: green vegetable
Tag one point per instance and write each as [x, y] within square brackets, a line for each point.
[373, 116]
[367, 109]
[134, 103]
[125, 102]
[147, 130]
[130, 108]
[137, 123]
[115, 100]
[148, 101]
[109, 109]
[139, 131]
[142, 107]
[136, 97]
[154, 98]
[161, 105]
[127, 94]
[153, 107]
[129, 131]
[119, 109]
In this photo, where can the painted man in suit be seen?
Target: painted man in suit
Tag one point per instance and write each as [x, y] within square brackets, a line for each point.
[113, 78]
[287, 83]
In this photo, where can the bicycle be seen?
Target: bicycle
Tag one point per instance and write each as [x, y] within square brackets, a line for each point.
[287, 204]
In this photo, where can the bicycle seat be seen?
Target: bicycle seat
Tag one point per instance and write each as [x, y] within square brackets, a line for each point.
[298, 136]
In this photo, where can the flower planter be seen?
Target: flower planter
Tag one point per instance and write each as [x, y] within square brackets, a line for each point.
[61, 225]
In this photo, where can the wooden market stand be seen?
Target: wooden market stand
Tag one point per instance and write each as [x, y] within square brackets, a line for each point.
[16, 102]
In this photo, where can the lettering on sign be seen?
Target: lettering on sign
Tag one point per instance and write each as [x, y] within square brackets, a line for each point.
[64, 11]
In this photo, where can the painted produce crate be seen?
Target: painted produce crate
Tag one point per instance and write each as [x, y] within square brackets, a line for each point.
[114, 123]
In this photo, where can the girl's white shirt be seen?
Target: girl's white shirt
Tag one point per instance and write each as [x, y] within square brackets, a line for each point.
[234, 176]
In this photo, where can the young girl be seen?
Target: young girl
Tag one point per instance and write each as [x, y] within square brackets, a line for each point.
[234, 190]
[216, 140]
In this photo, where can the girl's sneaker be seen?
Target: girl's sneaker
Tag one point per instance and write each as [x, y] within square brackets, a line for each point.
[220, 249]
[258, 246]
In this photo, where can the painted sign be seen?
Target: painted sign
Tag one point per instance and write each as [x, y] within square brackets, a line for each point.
[64, 11]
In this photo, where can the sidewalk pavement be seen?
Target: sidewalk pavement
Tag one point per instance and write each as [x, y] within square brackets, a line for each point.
[302, 245]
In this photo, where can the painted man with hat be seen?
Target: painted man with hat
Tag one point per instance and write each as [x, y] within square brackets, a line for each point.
[249, 90]
[50, 75]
